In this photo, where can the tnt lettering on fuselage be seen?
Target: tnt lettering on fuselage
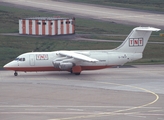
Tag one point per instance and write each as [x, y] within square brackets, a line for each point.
[134, 42]
[41, 56]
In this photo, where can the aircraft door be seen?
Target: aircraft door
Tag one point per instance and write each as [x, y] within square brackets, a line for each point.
[18, 62]
[32, 60]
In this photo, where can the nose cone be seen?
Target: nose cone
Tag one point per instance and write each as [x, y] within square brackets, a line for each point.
[10, 66]
[6, 66]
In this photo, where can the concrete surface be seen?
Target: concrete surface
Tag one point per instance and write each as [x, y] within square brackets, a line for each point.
[135, 93]
[118, 15]
[132, 93]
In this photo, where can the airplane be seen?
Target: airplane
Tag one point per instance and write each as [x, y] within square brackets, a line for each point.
[77, 61]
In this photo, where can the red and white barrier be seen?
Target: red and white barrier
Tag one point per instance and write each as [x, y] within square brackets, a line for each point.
[50, 26]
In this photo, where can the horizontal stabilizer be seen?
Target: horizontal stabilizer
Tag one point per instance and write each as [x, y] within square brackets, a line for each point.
[147, 29]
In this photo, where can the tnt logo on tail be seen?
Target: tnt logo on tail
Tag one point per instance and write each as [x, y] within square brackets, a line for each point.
[134, 42]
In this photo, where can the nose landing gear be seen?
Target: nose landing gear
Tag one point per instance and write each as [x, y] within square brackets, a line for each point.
[15, 74]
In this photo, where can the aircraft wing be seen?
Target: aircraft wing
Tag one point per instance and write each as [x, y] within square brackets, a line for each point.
[77, 56]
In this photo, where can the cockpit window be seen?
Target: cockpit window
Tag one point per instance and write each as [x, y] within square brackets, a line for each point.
[16, 58]
[20, 59]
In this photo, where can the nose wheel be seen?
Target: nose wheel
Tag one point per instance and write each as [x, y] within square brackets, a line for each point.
[15, 74]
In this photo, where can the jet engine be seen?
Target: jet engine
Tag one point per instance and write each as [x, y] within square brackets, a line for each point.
[63, 63]
[56, 63]
[65, 66]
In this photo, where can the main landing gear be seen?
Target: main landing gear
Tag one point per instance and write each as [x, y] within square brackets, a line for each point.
[15, 74]
[77, 73]
[76, 70]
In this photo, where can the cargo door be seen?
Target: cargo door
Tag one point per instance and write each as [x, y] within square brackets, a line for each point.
[32, 60]
[17, 60]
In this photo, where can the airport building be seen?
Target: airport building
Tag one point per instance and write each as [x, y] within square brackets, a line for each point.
[46, 26]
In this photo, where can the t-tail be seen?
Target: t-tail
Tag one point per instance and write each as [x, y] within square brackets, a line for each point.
[136, 40]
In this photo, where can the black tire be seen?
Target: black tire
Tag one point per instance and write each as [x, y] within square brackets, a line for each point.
[77, 73]
[15, 74]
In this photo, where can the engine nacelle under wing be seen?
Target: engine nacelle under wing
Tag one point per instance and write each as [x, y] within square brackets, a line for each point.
[56, 63]
[64, 63]
[65, 66]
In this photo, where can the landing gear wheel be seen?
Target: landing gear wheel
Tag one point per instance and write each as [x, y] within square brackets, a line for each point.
[77, 73]
[15, 74]
[76, 70]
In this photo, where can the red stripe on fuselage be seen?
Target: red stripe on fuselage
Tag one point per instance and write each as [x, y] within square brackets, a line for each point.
[52, 68]
[32, 69]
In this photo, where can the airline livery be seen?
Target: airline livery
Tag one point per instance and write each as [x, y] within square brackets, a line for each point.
[77, 61]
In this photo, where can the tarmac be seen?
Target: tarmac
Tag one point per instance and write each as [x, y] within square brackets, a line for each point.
[131, 93]
[105, 13]
[127, 93]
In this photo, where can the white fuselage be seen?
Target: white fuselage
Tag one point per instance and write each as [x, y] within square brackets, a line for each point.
[43, 61]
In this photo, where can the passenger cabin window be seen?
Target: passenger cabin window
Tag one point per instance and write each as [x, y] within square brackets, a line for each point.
[20, 59]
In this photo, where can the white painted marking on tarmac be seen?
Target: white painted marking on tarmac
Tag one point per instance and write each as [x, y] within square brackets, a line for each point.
[155, 111]
[138, 116]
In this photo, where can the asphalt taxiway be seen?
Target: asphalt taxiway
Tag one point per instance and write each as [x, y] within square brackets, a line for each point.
[135, 92]
[118, 15]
